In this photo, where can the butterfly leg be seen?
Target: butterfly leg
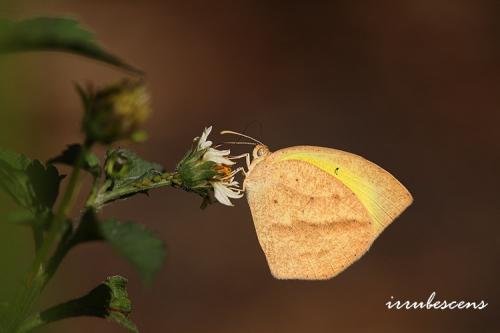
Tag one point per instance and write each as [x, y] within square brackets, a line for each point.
[230, 178]
[235, 171]
[246, 156]
[241, 169]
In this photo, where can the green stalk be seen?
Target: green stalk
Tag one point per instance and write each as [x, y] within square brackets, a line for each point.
[58, 237]
[37, 277]
[96, 199]
[103, 198]
[93, 193]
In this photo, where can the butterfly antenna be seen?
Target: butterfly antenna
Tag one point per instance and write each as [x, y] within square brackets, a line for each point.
[235, 143]
[241, 143]
[243, 135]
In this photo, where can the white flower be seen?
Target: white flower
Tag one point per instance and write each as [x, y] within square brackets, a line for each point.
[225, 189]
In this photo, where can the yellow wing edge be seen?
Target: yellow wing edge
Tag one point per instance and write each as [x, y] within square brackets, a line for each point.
[383, 196]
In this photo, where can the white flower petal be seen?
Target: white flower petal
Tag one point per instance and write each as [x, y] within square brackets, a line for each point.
[231, 182]
[220, 193]
[217, 152]
[223, 191]
[233, 194]
[221, 160]
[218, 156]
[203, 143]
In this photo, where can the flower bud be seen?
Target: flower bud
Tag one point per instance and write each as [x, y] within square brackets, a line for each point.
[117, 165]
[116, 112]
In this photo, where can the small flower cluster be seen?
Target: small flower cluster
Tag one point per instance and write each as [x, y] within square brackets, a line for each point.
[207, 171]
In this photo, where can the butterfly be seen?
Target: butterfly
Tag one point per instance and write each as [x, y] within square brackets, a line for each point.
[317, 210]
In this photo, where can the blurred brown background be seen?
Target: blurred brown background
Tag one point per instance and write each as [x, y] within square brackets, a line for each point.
[411, 85]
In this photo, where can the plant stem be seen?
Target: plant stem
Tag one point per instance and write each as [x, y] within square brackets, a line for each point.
[37, 277]
[168, 179]
[93, 193]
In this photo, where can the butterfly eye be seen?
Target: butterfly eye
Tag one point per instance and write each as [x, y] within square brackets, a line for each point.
[260, 151]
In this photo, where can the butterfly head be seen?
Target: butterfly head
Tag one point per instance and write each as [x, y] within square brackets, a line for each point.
[260, 151]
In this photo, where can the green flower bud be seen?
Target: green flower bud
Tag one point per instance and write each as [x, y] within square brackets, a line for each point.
[116, 112]
[117, 165]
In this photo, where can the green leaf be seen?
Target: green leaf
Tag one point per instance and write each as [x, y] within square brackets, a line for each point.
[44, 184]
[13, 177]
[108, 300]
[125, 167]
[54, 34]
[137, 244]
[71, 154]
[120, 305]
[31, 184]
[133, 241]
[25, 217]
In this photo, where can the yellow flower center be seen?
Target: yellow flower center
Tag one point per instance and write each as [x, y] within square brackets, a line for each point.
[223, 170]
